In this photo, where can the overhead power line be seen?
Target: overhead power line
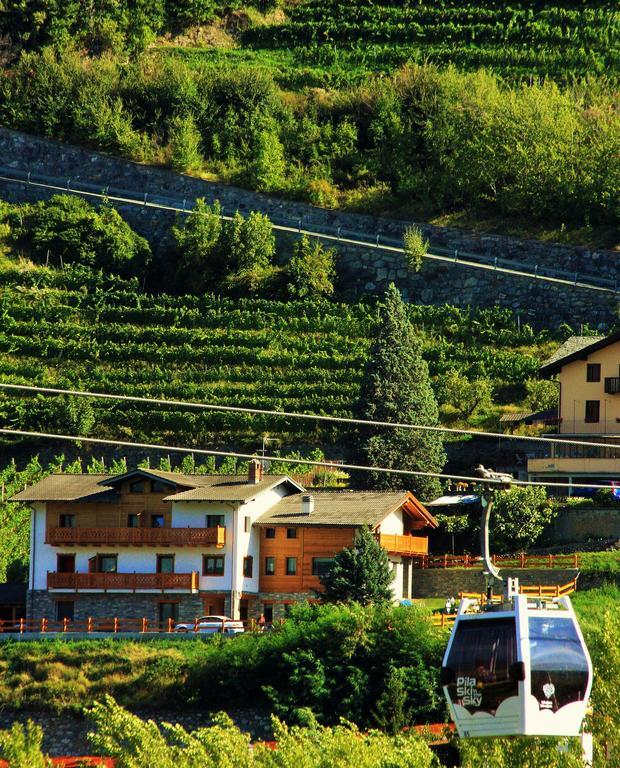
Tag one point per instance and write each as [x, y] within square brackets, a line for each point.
[446, 255]
[288, 459]
[307, 416]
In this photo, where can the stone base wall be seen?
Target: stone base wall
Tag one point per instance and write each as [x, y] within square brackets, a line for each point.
[448, 582]
[279, 601]
[579, 524]
[42, 604]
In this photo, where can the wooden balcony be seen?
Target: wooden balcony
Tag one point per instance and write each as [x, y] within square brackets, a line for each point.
[124, 582]
[612, 385]
[404, 545]
[137, 537]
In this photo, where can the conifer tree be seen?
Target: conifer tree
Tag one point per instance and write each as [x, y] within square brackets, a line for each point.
[397, 388]
[360, 573]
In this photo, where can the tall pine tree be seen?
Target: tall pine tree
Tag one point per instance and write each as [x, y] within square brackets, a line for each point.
[397, 388]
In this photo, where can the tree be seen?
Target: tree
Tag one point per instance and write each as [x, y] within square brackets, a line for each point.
[360, 573]
[391, 712]
[465, 394]
[311, 271]
[200, 263]
[542, 394]
[519, 517]
[269, 162]
[249, 246]
[397, 388]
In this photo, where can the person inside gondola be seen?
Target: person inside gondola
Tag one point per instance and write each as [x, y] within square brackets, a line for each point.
[483, 674]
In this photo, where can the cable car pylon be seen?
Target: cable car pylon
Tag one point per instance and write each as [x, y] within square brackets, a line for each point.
[517, 665]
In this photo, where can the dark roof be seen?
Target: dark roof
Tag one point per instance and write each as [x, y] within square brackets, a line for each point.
[62, 487]
[345, 508]
[575, 348]
[529, 416]
[233, 488]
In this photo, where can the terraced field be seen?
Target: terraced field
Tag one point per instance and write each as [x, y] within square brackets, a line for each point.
[332, 41]
[73, 328]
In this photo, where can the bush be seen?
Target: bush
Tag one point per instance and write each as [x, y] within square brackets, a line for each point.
[201, 263]
[185, 142]
[311, 270]
[416, 246]
[67, 230]
[21, 746]
[542, 394]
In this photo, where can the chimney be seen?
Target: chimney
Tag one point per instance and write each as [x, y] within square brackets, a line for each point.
[307, 504]
[255, 474]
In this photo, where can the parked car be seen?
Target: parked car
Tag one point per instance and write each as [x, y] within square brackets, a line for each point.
[211, 625]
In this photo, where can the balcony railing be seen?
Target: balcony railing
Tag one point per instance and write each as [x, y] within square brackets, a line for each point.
[117, 582]
[178, 537]
[612, 385]
[404, 545]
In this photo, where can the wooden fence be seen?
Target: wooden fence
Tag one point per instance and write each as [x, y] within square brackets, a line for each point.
[501, 561]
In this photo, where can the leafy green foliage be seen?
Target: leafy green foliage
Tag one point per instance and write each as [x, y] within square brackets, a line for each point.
[416, 246]
[200, 261]
[397, 388]
[434, 139]
[67, 230]
[519, 517]
[465, 395]
[311, 270]
[542, 394]
[249, 245]
[21, 746]
[360, 573]
[506, 753]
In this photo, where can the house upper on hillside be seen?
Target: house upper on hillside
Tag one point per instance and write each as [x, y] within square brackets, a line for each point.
[588, 373]
[163, 545]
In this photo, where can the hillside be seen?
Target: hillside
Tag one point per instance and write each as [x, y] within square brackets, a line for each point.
[76, 328]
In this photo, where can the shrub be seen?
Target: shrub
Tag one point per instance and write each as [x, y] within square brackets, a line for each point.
[542, 394]
[311, 270]
[416, 246]
[185, 142]
[201, 263]
[21, 746]
[68, 230]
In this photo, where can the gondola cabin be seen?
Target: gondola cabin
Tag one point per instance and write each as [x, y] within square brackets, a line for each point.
[519, 668]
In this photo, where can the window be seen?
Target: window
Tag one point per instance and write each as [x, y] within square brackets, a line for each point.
[593, 411]
[213, 565]
[133, 521]
[321, 565]
[247, 524]
[65, 563]
[165, 563]
[214, 520]
[593, 372]
[482, 664]
[270, 533]
[268, 612]
[248, 566]
[291, 566]
[287, 609]
[270, 566]
[65, 609]
[157, 486]
[157, 521]
[291, 533]
[67, 521]
[138, 487]
[108, 563]
[168, 611]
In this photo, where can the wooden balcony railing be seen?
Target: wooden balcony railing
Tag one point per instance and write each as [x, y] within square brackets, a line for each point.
[176, 537]
[134, 582]
[404, 545]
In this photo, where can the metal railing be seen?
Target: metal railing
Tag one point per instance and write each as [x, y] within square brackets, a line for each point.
[378, 241]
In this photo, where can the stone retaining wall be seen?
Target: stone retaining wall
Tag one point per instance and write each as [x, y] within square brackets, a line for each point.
[361, 270]
[66, 734]
[448, 582]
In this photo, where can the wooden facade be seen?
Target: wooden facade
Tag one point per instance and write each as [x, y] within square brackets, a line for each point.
[310, 542]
